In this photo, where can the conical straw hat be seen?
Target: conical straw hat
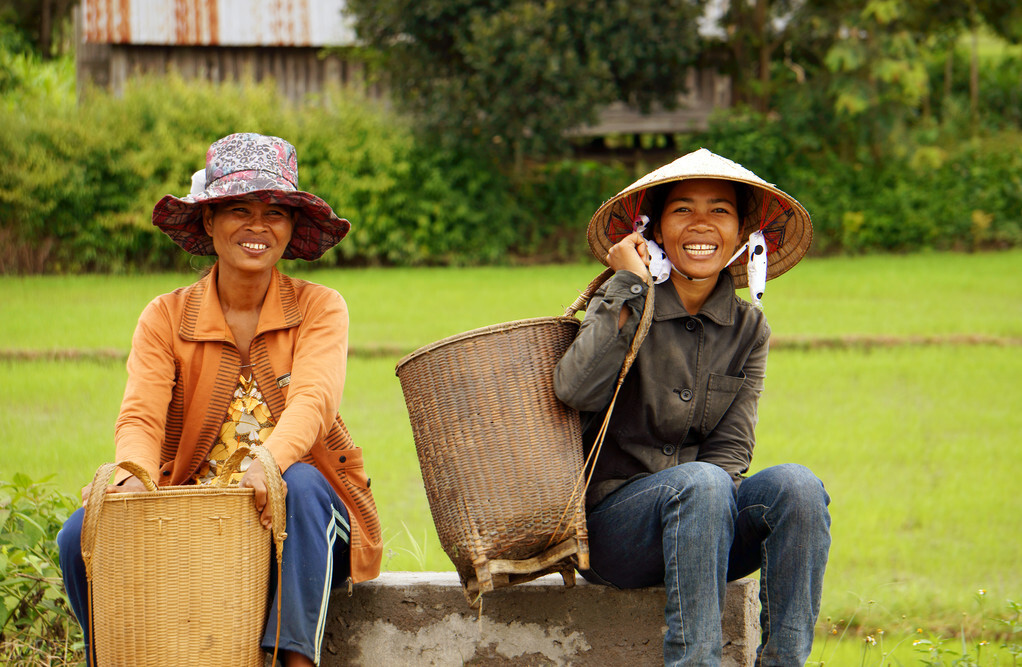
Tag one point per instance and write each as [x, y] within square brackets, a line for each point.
[785, 222]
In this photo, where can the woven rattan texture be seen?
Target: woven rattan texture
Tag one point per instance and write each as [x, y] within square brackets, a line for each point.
[180, 577]
[500, 454]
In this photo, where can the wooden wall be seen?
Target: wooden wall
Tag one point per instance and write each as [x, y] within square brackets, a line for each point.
[707, 90]
[298, 71]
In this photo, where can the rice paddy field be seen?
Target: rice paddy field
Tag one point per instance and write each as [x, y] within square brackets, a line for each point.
[895, 378]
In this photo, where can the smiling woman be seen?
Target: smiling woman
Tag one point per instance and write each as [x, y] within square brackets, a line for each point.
[699, 230]
[669, 502]
[248, 234]
[248, 356]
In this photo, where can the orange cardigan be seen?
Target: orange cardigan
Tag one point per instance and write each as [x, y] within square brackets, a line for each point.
[183, 357]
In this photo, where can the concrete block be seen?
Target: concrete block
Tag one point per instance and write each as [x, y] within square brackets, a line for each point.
[422, 618]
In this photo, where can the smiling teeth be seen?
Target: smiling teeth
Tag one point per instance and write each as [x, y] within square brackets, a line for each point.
[255, 246]
[700, 248]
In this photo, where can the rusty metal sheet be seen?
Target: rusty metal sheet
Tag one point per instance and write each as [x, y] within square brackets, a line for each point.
[217, 22]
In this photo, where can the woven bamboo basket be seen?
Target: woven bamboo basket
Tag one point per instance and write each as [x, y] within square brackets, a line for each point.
[500, 454]
[180, 575]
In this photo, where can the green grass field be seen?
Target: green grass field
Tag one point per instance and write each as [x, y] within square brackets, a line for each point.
[916, 443]
[402, 309]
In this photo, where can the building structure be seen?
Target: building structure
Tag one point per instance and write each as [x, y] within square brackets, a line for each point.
[303, 45]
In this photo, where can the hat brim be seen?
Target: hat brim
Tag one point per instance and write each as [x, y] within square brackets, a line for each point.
[785, 222]
[316, 227]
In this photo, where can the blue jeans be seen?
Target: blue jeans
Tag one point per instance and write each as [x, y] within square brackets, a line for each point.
[691, 530]
[315, 557]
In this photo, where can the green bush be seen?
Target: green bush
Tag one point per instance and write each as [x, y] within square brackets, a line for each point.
[79, 180]
[36, 624]
[559, 199]
[79, 184]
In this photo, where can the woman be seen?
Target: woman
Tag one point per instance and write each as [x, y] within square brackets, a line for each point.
[668, 502]
[247, 355]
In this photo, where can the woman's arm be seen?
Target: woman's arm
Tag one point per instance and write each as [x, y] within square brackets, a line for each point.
[141, 424]
[730, 443]
[584, 378]
[318, 368]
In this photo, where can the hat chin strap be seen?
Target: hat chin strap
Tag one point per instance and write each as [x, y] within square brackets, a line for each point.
[690, 278]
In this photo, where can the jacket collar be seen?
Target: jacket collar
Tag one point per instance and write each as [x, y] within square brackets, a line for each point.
[203, 317]
[719, 306]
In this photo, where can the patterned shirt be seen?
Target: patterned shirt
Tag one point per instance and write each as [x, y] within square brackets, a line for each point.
[248, 422]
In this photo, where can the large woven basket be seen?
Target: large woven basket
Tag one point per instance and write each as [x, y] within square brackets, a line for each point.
[501, 455]
[179, 575]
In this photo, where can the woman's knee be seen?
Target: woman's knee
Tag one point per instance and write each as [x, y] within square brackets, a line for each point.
[301, 474]
[800, 483]
[789, 487]
[306, 486]
[702, 483]
[69, 537]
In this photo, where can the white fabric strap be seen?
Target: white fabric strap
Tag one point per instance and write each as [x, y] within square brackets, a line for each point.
[659, 265]
[757, 267]
[198, 182]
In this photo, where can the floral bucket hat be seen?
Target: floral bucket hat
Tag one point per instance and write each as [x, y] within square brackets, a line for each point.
[776, 233]
[251, 165]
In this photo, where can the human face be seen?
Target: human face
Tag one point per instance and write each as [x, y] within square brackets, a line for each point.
[248, 235]
[699, 227]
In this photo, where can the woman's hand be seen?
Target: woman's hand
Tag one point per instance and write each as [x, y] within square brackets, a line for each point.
[630, 254]
[130, 485]
[255, 478]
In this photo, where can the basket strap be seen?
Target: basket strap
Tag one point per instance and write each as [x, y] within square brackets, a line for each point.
[583, 299]
[94, 506]
[90, 524]
[578, 493]
[274, 486]
[275, 490]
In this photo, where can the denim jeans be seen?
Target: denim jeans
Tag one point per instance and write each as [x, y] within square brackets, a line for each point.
[690, 529]
[315, 558]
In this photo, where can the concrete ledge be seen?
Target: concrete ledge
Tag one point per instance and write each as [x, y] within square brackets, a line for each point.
[422, 618]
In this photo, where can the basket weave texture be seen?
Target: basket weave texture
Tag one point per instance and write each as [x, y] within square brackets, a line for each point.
[500, 455]
[179, 576]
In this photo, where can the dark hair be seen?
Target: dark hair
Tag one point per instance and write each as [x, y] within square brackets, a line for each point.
[658, 199]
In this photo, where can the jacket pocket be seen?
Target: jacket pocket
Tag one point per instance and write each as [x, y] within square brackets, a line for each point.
[349, 465]
[720, 393]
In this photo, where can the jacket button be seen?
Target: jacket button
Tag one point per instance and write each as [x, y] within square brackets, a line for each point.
[686, 394]
[635, 289]
[668, 449]
[690, 325]
[343, 459]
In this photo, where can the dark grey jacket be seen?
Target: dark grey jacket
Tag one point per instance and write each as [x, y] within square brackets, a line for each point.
[691, 394]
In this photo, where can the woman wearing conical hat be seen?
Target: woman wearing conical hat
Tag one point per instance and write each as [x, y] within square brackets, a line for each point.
[669, 502]
[249, 356]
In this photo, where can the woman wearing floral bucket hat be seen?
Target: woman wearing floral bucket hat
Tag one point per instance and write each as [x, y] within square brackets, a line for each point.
[668, 502]
[249, 356]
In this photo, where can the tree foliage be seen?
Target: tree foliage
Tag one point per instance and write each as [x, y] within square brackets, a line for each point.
[862, 68]
[518, 73]
[44, 25]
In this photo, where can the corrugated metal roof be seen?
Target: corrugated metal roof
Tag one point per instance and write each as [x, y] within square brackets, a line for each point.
[217, 22]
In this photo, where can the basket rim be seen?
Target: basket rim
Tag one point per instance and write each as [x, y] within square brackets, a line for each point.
[483, 331]
[179, 491]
